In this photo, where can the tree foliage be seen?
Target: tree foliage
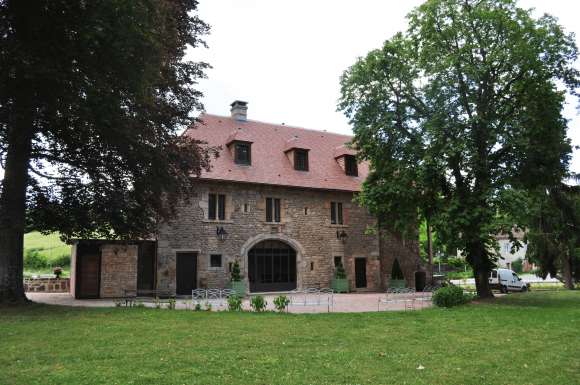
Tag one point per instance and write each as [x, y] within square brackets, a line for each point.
[93, 95]
[465, 104]
[552, 218]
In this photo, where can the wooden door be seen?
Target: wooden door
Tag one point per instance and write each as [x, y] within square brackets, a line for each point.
[186, 273]
[146, 267]
[360, 270]
[88, 275]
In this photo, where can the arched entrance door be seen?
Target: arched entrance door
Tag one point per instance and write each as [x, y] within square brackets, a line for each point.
[272, 267]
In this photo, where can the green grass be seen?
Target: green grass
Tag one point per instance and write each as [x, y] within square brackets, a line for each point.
[50, 244]
[49, 247]
[530, 338]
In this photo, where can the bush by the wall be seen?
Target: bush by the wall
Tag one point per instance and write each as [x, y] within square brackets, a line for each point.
[234, 303]
[450, 296]
[258, 303]
[281, 302]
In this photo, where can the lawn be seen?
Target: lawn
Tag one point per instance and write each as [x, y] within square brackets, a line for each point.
[531, 338]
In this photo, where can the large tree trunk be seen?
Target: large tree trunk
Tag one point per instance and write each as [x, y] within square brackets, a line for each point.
[477, 257]
[13, 199]
[567, 270]
[430, 249]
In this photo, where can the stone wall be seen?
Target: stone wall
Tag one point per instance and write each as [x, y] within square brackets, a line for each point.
[406, 251]
[47, 285]
[305, 225]
[118, 269]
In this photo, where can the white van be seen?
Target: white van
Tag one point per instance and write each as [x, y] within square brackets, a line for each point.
[506, 280]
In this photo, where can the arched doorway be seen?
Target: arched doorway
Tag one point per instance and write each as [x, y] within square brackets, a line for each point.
[272, 266]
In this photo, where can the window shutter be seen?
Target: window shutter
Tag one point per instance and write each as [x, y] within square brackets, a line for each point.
[276, 210]
[222, 207]
[339, 209]
[333, 213]
[268, 209]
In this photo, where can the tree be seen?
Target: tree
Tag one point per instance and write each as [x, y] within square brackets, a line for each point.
[553, 222]
[93, 95]
[463, 105]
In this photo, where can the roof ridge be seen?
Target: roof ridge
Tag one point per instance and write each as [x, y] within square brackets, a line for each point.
[280, 125]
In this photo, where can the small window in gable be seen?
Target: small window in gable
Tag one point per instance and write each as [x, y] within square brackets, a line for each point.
[301, 159]
[350, 165]
[243, 153]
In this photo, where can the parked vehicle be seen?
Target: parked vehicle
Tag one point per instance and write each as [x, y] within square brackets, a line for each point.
[507, 280]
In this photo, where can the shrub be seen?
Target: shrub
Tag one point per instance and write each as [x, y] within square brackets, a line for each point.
[281, 302]
[450, 296]
[458, 263]
[340, 273]
[197, 307]
[460, 274]
[518, 266]
[62, 260]
[234, 303]
[171, 304]
[258, 303]
[236, 273]
[33, 260]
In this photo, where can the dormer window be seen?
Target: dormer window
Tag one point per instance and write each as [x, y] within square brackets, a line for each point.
[243, 153]
[301, 159]
[350, 165]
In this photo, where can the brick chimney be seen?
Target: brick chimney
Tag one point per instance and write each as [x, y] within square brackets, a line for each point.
[239, 110]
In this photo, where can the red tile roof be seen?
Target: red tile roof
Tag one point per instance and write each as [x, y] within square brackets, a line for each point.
[270, 164]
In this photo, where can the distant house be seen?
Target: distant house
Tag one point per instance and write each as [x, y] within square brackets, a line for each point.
[279, 201]
[507, 259]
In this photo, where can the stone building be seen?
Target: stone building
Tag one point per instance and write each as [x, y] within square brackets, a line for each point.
[279, 201]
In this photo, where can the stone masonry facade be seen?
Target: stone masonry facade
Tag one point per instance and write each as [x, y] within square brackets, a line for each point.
[305, 226]
[118, 269]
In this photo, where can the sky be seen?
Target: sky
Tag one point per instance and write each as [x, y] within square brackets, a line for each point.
[285, 58]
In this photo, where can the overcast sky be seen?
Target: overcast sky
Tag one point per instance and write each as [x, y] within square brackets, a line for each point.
[285, 57]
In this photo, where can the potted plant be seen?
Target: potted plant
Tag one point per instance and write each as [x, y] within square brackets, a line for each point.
[236, 277]
[340, 282]
[57, 271]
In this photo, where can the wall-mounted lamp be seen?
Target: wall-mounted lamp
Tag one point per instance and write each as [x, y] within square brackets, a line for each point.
[221, 233]
[341, 235]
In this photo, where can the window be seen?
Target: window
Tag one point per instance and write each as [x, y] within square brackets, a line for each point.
[246, 208]
[216, 207]
[215, 260]
[336, 213]
[305, 210]
[337, 261]
[272, 210]
[243, 153]
[350, 165]
[301, 160]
